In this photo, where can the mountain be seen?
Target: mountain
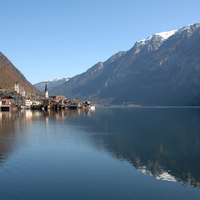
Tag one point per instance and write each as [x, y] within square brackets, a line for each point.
[10, 74]
[51, 83]
[163, 69]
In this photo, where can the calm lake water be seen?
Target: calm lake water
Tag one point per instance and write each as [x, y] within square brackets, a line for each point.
[109, 153]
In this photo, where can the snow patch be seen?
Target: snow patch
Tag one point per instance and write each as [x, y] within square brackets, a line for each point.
[162, 36]
[166, 35]
[55, 80]
[180, 30]
[166, 176]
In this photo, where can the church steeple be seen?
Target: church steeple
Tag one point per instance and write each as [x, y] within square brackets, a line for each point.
[46, 95]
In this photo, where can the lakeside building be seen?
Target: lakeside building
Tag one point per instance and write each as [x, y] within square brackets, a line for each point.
[28, 103]
[19, 90]
[18, 100]
[16, 87]
[5, 104]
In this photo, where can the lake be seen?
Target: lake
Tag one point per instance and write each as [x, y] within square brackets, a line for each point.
[109, 153]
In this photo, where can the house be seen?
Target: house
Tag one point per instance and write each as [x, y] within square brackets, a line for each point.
[36, 103]
[60, 97]
[28, 103]
[5, 104]
[72, 103]
[15, 98]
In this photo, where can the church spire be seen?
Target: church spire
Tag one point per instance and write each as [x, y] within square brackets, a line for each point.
[46, 95]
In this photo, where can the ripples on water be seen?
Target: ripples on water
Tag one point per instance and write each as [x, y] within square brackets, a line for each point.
[110, 153]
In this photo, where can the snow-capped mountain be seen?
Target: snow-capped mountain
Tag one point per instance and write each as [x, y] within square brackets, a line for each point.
[159, 36]
[163, 35]
[56, 80]
[51, 83]
[163, 69]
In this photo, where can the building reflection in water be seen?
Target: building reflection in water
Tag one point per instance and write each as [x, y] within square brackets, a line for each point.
[13, 123]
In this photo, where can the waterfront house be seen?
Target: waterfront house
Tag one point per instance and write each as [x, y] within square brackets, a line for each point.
[15, 98]
[28, 103]
[5, 104]
[36, 102]
[9, 97]
[72, 103]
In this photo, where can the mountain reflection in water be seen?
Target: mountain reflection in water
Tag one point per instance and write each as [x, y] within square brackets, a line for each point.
[160, 142]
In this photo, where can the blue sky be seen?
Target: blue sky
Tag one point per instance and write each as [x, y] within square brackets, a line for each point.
[48, 39]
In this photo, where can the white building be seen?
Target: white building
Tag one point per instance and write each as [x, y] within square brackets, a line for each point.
[28, 103]
[16, 87]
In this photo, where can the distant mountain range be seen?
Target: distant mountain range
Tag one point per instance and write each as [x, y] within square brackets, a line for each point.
[9, 74]
[50, 83]
[163, 69]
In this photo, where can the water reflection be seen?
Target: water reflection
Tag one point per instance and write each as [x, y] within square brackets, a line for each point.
[14, 123]
[66, 113]
[164, 143]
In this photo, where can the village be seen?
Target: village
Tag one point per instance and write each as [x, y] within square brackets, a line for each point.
[18, 100]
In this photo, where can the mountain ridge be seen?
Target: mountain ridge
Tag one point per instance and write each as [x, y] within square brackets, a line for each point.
[157, 72]
[51, 83]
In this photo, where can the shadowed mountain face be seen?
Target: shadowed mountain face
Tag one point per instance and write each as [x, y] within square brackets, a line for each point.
[163, 69]
[9, 74]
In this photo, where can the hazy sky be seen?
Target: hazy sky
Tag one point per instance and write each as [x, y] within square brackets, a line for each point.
[48, 39]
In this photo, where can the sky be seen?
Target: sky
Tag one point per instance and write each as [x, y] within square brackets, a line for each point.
[48, 39]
